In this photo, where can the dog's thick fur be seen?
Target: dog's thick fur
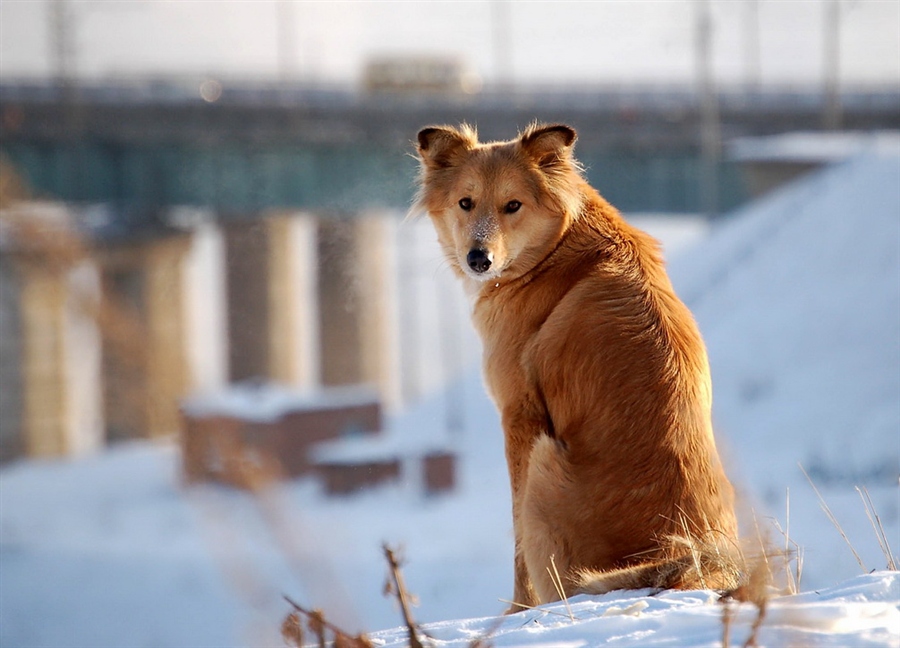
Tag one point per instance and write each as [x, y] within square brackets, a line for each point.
[597, 369]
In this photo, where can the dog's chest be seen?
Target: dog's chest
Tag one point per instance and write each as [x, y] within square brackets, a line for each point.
[507, 328]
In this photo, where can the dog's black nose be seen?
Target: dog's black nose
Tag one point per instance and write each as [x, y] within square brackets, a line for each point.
[479, 260]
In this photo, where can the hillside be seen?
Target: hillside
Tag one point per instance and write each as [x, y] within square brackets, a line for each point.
[798, 298]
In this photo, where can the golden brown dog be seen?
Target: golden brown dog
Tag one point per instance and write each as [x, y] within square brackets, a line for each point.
[597, 369]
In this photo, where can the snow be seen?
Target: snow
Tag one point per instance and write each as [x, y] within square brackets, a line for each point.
[798, 297]
[264, 402]
[813, 146]
[676, 232]
[404, 438]
[861, 612]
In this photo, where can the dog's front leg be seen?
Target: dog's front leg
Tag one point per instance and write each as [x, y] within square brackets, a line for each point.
[521, 427]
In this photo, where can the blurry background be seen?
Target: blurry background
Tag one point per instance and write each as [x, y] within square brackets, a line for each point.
[203, 244]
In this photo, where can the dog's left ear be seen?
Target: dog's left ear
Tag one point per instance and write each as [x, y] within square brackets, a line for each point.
[548, 145]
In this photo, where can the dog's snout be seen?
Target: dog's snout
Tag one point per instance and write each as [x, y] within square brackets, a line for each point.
[479, 260]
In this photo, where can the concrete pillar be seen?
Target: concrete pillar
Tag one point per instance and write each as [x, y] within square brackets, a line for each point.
[57, 347]
[338, 290]
[102, 337]
[43, 322]
[124, 343]
[167, 376]
[273, 315]
[83, 360]
[247, 280]
[305, 270]
[206, 336]
[143, 323]
[293, 306]
[358, 302]
[379, 333]
[313, 301]
[12, 444]
[60, 360]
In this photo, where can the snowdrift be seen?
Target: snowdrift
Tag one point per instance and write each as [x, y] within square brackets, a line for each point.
[860, 612]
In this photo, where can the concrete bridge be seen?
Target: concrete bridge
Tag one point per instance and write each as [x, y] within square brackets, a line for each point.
[142, 148]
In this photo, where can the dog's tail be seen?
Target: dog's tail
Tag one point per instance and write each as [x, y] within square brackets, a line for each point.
[686, 563]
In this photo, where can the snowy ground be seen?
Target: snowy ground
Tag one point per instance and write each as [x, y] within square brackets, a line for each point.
[798, 297]
[860, 612]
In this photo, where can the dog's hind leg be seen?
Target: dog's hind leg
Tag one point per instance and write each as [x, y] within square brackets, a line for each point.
[545, 548]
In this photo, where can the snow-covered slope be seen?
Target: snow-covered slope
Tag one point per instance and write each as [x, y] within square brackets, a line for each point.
[798, 298]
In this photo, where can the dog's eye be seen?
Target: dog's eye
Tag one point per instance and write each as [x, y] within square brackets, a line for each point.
[512, 206]
[465, 204]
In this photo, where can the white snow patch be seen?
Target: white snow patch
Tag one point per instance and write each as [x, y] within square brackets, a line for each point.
[825, 618]
[266, 402]
[813, 146]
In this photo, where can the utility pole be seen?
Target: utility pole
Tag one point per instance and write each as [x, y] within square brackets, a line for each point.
[710, 133]
[62, 54]
[502, 53]
[63, 57]
[286, 41]
[833, 112]
[752, 52]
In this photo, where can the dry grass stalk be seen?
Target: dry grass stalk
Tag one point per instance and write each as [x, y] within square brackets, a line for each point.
[756, 590]
[727, 618]
[794, 585]
[833, 519]
[318, 626]
[557, 583]
[402, 596]
[792, 553]
[292, 630]
[757, 624]
[481, 642]
[524, 606]
[878, 527]
[793, 578]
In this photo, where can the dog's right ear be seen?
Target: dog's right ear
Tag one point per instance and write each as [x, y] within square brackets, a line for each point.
[440, 146]
[549, 144]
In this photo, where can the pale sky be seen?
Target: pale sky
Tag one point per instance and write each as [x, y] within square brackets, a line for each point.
[561, 41]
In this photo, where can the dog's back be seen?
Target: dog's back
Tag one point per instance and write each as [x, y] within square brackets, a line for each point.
[629, 474]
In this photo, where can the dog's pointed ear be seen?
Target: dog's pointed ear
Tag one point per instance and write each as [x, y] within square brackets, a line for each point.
[549, 144]
[440, 146]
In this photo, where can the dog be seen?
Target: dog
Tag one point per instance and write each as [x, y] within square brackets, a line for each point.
[597, 369]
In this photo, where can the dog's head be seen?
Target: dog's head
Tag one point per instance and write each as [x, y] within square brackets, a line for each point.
[499, 208]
